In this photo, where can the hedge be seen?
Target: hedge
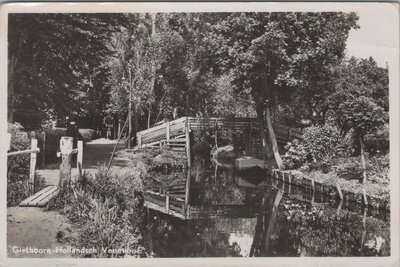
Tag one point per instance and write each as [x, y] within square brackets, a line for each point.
[17, 167]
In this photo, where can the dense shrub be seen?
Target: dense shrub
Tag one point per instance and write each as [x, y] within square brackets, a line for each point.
[377, 169]
[108, 210]
[349, 169]
[378, 141]
[149, 159]
[17, 166]
[319, 145]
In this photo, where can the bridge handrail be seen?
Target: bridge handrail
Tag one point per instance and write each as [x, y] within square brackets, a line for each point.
[161, 126]
[283, 132]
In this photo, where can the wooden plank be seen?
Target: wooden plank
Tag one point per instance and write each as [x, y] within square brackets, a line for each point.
[178, 196]
[40, 196]
[45, 200]
[153, 206]
[35, 196]
[28, 151]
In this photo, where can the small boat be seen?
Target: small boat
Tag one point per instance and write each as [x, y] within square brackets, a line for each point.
[249, 162]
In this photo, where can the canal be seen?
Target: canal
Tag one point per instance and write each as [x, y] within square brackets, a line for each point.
[248, 214]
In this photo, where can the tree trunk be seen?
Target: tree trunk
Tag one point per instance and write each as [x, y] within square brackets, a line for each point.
[263, 136]
[363, 165]
[136, 120]
[115, 124]
[148, 117]
[119, 126]
[12, 68]
[274, 143]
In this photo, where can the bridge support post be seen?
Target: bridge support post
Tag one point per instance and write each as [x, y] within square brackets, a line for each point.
[167, 202]
[187, 135]
[66, 144]
[167, 131]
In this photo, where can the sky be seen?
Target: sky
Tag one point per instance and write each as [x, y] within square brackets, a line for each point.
[376, 37]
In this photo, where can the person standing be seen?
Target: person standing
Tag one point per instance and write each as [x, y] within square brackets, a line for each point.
[73, 131]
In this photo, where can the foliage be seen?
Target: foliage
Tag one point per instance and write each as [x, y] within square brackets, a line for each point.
[295, 156]
[377, 142]
[229, 103]
[349, 169]
[107, 209]
[56, 65]
[361, 114]
[275, 52]
[318, 146]
[150, 159]
[17, 166]
[377, 168]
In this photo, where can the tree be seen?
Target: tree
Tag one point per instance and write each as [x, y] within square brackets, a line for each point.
[363, 115]
[272, 53]
[53, 59]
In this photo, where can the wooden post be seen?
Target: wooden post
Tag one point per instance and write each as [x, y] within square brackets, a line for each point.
[365, 197]
[187, 190]
[43, 149]
[167, 133]
[139, 139]
[339, 191]
[313, 185]
[188, 144]
[79, 165]
[339, 207]
[65, 167]
[167, 202]
[34, 143]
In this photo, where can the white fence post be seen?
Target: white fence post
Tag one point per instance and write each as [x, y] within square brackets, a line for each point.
[34, 143]
[79, 165]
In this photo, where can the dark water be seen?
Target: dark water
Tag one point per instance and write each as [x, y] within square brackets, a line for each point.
[249, 214]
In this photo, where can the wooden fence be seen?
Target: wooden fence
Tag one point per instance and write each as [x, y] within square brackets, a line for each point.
[66, 153]
[33, 152]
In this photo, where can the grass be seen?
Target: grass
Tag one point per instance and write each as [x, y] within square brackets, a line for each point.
[374, 188]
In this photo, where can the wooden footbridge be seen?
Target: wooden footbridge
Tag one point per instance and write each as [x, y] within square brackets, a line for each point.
[176, 136]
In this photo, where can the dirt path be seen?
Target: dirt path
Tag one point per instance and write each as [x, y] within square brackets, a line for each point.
[34, 228]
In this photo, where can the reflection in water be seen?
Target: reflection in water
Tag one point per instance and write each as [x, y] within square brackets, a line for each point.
[248, 215]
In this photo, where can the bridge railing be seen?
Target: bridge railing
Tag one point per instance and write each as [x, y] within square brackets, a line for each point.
[162, 131]
[166, 130]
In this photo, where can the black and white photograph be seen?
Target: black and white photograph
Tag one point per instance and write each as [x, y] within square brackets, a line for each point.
[207, 130]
